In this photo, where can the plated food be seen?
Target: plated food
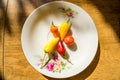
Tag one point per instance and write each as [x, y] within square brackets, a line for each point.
[59, 41]
[56, 46]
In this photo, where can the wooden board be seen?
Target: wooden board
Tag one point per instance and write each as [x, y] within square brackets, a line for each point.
[105, 65]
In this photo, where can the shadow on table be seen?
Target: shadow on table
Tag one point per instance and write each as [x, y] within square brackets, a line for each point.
[87, 72]
[1, 76]
[110, 9]
[5, 17]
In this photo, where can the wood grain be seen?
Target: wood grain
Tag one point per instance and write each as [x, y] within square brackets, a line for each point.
[2, 20]
[1, 39]
[105, 65]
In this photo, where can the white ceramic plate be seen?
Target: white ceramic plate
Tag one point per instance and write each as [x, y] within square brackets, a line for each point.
[35, 35]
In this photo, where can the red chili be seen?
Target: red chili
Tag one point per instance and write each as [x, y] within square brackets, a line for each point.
[60, 47]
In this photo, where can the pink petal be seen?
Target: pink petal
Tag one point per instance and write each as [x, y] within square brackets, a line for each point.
[50, 66]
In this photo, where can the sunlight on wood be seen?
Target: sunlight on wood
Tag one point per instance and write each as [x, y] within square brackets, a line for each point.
[28, 7]
[17, 67]
[13, 15]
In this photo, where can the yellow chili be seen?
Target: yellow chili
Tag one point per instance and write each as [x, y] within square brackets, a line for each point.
[64, 29]
[48, 49]
[50, 46]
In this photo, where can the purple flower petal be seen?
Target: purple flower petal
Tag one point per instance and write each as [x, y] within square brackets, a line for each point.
[56, 58]
[70, 14]
[41, 60]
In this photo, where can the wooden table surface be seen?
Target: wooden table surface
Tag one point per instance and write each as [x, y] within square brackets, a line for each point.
[106, 16]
